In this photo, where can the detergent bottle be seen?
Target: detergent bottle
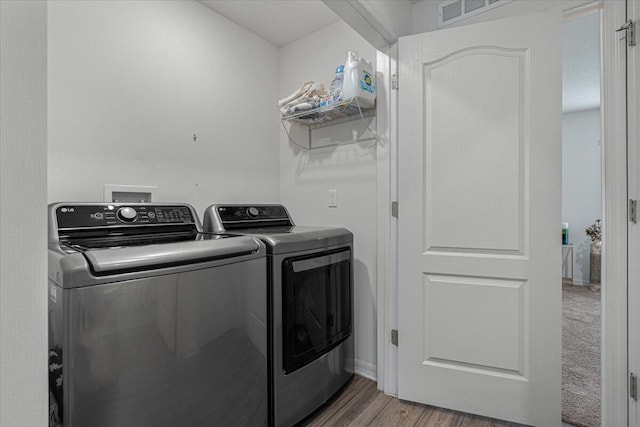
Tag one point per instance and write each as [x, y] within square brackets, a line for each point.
[359, 81]
[336, 85]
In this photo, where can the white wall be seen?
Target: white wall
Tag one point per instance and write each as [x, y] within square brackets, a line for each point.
[130, 82]
[581, 183]
[394, 15]
[23, 186]
[306, 176]
[425, 16]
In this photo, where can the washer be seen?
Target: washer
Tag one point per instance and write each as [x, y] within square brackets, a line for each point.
[152, 322]
[310, 305]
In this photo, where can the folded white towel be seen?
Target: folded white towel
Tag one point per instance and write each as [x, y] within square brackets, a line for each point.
[302, 107]
[291, 109]
[308, 92]
[295, 94]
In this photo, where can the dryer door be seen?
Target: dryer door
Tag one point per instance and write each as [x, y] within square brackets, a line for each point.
[316, 305]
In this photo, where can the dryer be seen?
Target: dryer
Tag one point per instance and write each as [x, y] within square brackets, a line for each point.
[310, 304]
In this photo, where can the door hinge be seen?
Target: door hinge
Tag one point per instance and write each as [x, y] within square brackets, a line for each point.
[394, 209]
[633, 386]
[394, 337]
[629, 28]
[633, 211]
[394, 82]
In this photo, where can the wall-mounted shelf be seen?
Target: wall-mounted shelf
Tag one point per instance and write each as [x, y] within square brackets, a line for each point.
[330, 115]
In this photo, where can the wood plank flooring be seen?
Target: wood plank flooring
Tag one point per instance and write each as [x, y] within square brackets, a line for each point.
[362, 404]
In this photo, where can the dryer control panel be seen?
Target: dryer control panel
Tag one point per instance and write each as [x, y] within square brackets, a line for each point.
[252, 212]
[222, 218]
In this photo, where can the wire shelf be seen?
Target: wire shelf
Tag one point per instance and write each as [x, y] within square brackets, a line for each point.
[331, 114]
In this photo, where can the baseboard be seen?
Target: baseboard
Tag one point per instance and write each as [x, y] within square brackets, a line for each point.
[366, 369]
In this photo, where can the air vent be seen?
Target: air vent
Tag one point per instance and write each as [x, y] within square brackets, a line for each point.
[456, 10]
[451, 11]
[471, 5]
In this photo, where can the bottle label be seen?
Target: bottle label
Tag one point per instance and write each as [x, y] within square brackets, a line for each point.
[366, 83]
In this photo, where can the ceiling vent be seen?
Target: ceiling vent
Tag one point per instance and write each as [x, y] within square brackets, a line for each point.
[452, 11]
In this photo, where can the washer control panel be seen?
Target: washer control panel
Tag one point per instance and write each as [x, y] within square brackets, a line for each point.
[111, 214]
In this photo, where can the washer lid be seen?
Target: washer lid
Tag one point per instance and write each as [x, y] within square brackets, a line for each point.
[136, 258]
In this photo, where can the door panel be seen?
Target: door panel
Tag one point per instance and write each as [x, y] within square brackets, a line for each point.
[475, 102]
[456, 333]
[479, 234]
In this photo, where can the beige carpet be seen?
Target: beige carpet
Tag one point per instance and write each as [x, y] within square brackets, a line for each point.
[581, 356]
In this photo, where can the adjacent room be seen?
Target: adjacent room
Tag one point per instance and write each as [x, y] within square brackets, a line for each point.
[581, 216]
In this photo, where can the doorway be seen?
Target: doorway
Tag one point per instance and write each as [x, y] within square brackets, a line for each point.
[614, 256]
[581, 216]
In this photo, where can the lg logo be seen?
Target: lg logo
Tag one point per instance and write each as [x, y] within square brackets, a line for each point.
[65, 210]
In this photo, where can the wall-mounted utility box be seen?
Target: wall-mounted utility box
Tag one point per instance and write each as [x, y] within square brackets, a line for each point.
[129, 193]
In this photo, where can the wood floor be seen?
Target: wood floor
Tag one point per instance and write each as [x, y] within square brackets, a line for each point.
[362, 404]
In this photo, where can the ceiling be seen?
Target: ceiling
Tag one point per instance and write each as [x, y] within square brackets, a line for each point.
[277, 21]
[581, 63]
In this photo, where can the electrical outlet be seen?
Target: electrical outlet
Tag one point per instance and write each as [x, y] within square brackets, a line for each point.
[333, 198]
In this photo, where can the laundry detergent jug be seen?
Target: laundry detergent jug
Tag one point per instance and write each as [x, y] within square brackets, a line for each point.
[359, 81]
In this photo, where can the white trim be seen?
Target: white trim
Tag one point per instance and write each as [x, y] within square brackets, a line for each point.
[391, 293]
[365, 369]
[109, 189]
[614, 248]
[383, 197]
[386, 225]
[379, 20]
[578, 11]
[364, 20]
[633, 154]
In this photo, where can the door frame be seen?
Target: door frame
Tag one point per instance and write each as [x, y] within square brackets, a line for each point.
[614, 403]
[386, 224]
[633, 111]
[614, 368]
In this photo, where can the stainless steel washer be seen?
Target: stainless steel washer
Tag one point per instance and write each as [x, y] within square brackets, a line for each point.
[152, 322]
[311, 305]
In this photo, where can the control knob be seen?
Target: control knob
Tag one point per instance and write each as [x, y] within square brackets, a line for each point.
[253, 212]
[127, 214]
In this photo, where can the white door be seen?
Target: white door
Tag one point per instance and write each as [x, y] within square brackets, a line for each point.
[480, 219]
[633, 125]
